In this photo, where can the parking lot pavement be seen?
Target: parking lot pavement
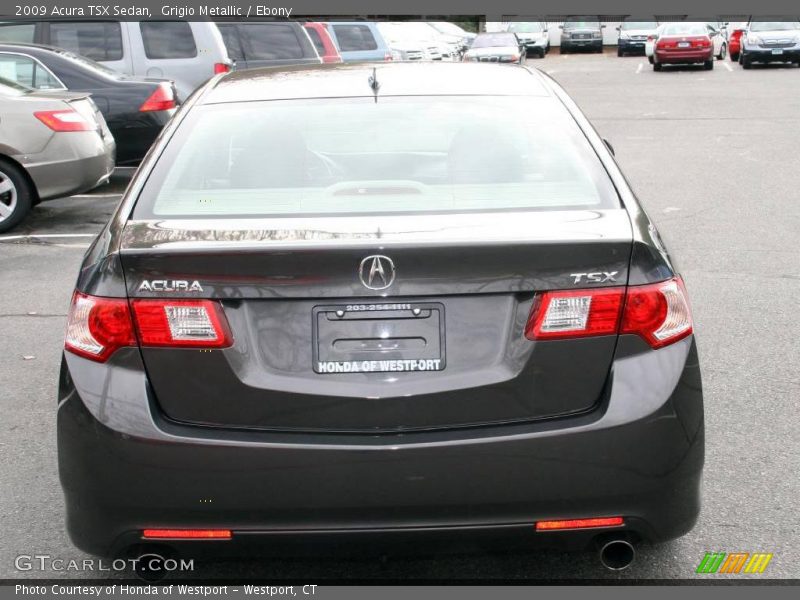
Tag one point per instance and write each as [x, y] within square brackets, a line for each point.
[712, 155]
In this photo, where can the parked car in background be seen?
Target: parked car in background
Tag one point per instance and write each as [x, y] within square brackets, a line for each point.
[135, 108]
[718, 41]
[501, 47]
[463, 36]
[770, 42]
[734, 32]
[52, 144]
[581, 33]
[633, 36]
[253, 44]
[319, 36]
[359, 41]
[532, 35]
[401, 47]
[683, 43]
[187, 52]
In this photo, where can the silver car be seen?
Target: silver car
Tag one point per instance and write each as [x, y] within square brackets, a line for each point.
[52, 144]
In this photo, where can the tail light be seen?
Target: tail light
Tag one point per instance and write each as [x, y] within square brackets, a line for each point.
[98, 327]
[579, 523]
[221, 67]
[387, 56]
[65, 120]
[184, 323]
[163, 98]
[187, 534]
[659, 313]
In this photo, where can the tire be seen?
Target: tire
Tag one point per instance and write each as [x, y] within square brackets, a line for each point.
[734, 57]
[709, 64]
[16, 196]
[723, 52]
[745, 62]
[650, 60]
[620, 52]
[656, 66]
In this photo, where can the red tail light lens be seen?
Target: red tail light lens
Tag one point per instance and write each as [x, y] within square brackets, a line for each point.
[161, 99]
[98, 327]
[221, 67]
[387, 56]
[659, 313]
[184, 323]
[187, 534]
[575, 313]
[579, 523]
[65, 120]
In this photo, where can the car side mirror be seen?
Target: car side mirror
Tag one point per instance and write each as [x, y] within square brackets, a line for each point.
[609, 146]
[618, 28]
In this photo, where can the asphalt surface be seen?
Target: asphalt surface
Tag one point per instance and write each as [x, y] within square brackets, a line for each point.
[712, 155]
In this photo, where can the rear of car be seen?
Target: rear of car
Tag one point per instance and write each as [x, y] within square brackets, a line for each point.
[683, 44]
[186, 52]
[735, 40]
[359, 41]
[51, 145]
[332, 312]
[268, 44]
[135, 108]
[770, 42]
[319, 36]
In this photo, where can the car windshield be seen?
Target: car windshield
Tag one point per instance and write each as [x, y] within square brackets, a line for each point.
[774, 26]
[355, 155]
[448, 28]
[526, 27]
[12, 88]
[582, 25]
[627, 25]
[494, 40]
[396, 32]
[685, 29]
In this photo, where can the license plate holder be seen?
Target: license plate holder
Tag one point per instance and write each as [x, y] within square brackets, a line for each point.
[684, 44]
[777, 51]
[378, 337]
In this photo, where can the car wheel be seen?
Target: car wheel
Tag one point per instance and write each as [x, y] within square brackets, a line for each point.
[650, 60]
[709, 64]
[620, 52]
[745, 62]
[735, 56]
[723, 52]
[16, 195]
[656, 66]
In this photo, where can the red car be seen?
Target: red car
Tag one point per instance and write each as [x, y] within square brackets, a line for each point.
[735, 43]
[322, 42]
[682, 44]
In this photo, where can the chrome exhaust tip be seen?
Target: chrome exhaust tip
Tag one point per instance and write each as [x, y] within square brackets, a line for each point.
[617, 555]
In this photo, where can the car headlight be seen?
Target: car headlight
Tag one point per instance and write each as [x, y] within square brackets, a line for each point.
[753, 39]
[624, 36]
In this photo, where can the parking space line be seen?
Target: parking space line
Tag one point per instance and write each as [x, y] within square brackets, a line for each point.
[727, 66]
[639, 68]
[9, 238]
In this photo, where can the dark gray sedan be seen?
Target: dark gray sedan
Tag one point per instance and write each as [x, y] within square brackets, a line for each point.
[417, 301]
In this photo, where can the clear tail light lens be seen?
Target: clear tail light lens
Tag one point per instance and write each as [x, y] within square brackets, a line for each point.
[659, 313]
[163, 98]
[65, 120]
[97, 327]
[192, 323]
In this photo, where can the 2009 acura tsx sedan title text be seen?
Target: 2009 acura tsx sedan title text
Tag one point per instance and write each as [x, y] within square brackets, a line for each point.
[405, 301]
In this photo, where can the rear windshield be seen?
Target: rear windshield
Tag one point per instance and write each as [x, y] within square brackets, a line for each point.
[358, 156]
[685, 29]
[526, 27]
[494, 40]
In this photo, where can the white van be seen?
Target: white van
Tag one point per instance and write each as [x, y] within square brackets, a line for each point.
[188, 52]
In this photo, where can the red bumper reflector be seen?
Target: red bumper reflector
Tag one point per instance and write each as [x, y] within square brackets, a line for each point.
[579, 523]
[187, 534]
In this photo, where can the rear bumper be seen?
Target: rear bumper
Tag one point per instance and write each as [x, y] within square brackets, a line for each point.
[639, 455]
[135, 133]
[71, 163]
[684, 57]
